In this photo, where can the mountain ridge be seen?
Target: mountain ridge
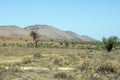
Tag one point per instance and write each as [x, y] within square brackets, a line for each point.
[44, 31]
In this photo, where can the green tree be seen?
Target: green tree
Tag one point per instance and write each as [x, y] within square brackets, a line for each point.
[111, 42]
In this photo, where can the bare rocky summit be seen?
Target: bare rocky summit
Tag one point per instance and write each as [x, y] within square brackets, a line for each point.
[44, 31]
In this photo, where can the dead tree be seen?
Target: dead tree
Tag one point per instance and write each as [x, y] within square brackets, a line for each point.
[35, 37]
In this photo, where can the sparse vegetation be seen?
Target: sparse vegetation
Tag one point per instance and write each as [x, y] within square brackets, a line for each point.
[53, 60]
[27, 60]
[61, 76]
[37, 55]
[66, 44]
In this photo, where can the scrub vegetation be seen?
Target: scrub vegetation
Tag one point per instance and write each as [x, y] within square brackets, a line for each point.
[59, 60]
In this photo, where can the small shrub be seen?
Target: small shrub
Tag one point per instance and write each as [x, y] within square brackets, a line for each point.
[66, 44]
[2, 67]
[61, 43]
[64, 76]
[61, 75]
[74, 43]
[4, 45]
[30, 45]
[86, 66]
[58, 61]
[105, 68]
[18, 45]
[2, 38]
[109, 67]
[27, 60]
[15, 68]
[26, 40]
[37, 55]
[20, 38]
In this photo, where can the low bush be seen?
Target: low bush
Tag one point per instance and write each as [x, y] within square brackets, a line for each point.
[64, 76]
[109, 67]
[37, 55]
[27, 60]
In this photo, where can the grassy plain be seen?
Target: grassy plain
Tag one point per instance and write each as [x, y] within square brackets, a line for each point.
[52, 60]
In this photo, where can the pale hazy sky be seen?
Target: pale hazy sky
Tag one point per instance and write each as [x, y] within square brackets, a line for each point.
[94, 18]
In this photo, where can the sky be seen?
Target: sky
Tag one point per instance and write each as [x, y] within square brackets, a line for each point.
[94, 18]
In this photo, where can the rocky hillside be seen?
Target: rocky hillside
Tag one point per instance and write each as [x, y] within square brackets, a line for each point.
[44, 31]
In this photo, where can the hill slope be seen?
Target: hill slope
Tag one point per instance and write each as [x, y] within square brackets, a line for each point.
[80, 37]
[47, 31]
[44, 31]
[13, 31]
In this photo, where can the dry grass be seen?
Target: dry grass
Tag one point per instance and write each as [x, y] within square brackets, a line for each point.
[24, 63]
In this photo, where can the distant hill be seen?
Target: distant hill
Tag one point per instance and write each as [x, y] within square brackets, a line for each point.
[44, 31]
[13, 31]
[80, 37]
[47, 31]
